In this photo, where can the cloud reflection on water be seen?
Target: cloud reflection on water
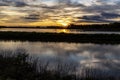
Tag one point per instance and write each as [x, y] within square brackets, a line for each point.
[105, 57]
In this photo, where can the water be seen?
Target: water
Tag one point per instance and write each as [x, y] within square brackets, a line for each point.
[102, 57]
[73, 31]
[87, 58]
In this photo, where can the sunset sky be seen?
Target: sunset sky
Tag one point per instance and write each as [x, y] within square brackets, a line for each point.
[58, 12]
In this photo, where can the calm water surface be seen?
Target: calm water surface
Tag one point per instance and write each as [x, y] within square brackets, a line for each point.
[104, 57]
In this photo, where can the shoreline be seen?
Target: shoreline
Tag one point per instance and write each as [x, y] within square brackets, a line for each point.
[61, 37]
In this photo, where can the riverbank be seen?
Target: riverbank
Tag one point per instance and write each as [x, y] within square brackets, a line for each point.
[61, 37]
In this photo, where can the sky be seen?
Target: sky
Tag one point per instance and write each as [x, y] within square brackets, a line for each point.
[58, 12]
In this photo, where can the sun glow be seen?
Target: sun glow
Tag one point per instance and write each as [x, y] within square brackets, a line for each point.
[64, 22]
[63, 31]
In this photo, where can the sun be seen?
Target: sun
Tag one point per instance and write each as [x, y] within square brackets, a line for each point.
[64, 22]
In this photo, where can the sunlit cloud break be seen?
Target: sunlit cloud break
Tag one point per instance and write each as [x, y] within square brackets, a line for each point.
[58, 12]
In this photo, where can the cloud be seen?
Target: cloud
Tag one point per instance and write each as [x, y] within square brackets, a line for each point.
[102, 17]
[31, 18]
[15, 3]
[3, 4]
[110, 15]
[19, 4]
[79, 10]
[103, 57]
[93, 18]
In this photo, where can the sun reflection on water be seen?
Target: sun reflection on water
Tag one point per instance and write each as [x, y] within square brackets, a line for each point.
[63, 31]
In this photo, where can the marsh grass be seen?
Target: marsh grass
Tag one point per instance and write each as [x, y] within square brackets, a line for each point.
[19, 65]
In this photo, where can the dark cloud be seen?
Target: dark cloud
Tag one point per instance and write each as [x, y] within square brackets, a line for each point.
[64, 1]
[91, 17]
[105, 11]
[32, 17]
[3, 4]
[69, 3]
[100, 6]
[110, 15]
[19, 4]
[49, 7]
[15, 3]
[102, 1]
[94, 18]
[103, 17]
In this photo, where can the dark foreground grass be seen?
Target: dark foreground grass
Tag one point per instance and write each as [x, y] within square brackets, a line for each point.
[61, 37]
[18, 65]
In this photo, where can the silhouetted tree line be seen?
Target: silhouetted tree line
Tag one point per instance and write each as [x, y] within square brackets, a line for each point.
[19, 65]
[34, 27]
[96, 27]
